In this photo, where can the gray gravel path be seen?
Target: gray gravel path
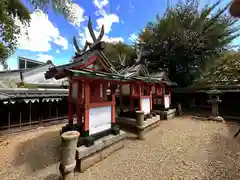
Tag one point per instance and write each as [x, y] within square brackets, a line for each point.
[180, 148]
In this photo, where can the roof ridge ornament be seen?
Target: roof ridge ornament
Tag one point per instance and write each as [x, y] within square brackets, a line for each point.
[88, 44]
[122, 59]
[139, 54]
[140, 59]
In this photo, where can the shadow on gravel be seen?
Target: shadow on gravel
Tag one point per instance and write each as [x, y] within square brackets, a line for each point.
[40, 152]
[52, 177]
[233, 128]
[223, 158]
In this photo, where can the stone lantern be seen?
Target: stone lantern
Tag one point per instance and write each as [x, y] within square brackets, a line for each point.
[214, 101]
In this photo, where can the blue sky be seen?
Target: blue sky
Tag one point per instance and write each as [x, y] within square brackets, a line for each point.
[50, 35]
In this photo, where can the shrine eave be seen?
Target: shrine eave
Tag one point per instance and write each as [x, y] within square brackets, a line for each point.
[93, 75]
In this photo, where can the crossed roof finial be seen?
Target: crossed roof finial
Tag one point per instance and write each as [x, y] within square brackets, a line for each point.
[88, 44]
[140, 53]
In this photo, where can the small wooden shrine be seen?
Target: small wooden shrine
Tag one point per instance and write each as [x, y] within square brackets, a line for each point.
[90, 75]
[138, 92]
[161, 91]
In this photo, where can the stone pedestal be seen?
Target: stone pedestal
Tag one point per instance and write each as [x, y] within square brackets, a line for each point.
[179, 110]
[68, 154]
[214, 101]
[139, 121]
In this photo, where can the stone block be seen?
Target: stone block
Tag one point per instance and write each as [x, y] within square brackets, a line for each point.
[88, 156]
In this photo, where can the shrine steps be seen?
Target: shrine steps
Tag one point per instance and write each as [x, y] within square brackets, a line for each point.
[88, 156]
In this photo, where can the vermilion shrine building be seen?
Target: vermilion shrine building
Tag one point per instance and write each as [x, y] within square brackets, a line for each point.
[146, 93]
[161, 91]
[90, 75]
[137, 94]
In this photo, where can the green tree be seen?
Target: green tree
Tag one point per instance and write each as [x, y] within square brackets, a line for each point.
[223, 70]
[186, 39]
[11, 9]
[63, 7]
[120, 54]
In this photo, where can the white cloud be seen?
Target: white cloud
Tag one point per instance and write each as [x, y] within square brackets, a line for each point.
[41, 34]
[107, 21]
[44, 57]
[100, 3]
[118, 7]
[76, 16]
[133, 37]
[57, 51]
[113, 39]
[86, 36]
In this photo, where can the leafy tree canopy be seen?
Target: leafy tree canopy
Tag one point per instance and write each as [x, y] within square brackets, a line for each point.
[185, 39]
[63, 7]
[224, 70]
[11, 9]
[120, 54]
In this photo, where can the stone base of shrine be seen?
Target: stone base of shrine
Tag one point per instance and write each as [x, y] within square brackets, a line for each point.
[216, 118]
[88, 156]
[168, 114]
[130, 124]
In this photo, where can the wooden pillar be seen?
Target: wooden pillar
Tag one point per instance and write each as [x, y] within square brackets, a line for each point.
[131, 98]
[113, 102]
[49, 109]
[121, 97]
[163, 96]
[57, 110]
[9, 120]
[150, 95]
[20, 118]
[170, 96]
[140, 96]
[30, 112]
[156, 94]
[79, 103]
[86, 104]
[70, 104]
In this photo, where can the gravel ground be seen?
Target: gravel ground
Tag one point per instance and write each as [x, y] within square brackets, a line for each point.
[181, 148]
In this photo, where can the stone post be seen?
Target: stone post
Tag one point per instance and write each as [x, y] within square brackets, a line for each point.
[179, 110]
[139, 120]
[214, 101]
[68, 154]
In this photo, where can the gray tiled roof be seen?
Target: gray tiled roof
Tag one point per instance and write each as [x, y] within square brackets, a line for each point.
[24, 93]
[134, 70]
[163, 77]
